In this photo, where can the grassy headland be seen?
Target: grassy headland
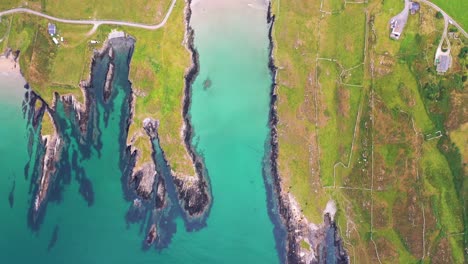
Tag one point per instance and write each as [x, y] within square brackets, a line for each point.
[357, 121]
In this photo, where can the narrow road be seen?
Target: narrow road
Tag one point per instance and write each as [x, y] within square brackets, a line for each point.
[95, 23]
[446, 16]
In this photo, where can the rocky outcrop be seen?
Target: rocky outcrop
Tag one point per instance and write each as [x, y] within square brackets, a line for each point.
[160, 193]
[109, 78]
[151, 236]
[144, 178]
[53, 145]
[145, 175]
[71, 104]
[193, 195]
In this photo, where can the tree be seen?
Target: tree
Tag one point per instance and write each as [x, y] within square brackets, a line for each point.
[439, 15]
[433, 91]
[463, 52]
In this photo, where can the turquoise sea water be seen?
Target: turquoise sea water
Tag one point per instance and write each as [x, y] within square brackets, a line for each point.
[230, 125]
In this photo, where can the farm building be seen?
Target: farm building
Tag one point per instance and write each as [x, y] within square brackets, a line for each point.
[51, 29]
[396, 28]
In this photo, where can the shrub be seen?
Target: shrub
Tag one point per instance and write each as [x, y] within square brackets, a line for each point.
[463, 52]
[433, 91]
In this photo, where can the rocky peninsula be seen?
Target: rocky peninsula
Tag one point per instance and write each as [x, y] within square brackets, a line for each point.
[193, 192]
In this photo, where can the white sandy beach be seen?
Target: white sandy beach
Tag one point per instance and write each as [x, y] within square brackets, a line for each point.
[11, 81]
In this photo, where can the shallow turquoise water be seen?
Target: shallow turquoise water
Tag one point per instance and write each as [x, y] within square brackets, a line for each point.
[230, 125]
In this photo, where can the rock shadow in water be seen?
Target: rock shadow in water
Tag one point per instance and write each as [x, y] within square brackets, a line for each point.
[53, 238]
[11, 195]
[86, 189]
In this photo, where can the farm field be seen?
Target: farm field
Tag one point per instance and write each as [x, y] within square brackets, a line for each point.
[360, 101]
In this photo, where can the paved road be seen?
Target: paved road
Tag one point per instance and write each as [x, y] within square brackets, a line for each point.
[95, 23]
[446, 16]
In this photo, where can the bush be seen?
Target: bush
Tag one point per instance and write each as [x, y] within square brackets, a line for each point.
[439, 15]
[457, 82]
[463, 52]
[433, 91]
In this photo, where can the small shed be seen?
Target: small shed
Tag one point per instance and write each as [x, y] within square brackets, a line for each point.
[414, 7]
[52, 29]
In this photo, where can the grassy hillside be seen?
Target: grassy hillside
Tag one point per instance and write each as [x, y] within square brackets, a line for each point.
[361, 117]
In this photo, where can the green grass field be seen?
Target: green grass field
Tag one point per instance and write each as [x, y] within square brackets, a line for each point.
[456, 9]
[403, 162]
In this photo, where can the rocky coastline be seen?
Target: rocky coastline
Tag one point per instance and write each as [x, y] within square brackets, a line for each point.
[53, 144]
[146, 174]
[193, 190]
[297, 227]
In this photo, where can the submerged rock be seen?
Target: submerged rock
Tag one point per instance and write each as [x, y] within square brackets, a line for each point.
[11, 195]
[54, 238]
[160, 193]
[207, 83]
[151, 235]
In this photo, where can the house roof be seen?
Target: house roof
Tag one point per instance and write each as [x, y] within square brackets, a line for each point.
[444, 63]
[397, 28]
[51, 29]
[415, 6]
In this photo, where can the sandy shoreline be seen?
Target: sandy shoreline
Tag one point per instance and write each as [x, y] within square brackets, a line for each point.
[9, 66]
[12, 82]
